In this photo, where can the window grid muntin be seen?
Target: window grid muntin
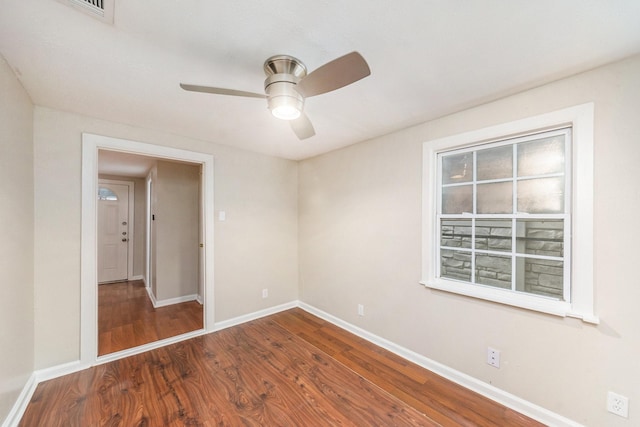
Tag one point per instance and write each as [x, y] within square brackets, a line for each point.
[565, 216]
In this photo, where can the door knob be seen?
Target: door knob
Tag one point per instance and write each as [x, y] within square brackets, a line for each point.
[124, 239]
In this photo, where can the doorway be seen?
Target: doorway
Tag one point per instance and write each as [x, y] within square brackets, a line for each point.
[92, 145]
[163, 299]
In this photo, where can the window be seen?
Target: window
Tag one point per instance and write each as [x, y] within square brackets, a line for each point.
[106, 194]
[503, 213]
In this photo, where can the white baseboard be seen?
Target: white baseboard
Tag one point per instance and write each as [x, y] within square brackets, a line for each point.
[148, 347]
[59, 370]
[487, 390]
[15, 414]
[152, 297]
[255, 315]
[164, 302]
[177, 300]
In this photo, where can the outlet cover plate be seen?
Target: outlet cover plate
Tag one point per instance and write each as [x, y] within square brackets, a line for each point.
[618, 404]
[493, 357]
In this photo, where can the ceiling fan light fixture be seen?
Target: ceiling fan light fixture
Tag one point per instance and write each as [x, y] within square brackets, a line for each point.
[283, 99]
[286, 112]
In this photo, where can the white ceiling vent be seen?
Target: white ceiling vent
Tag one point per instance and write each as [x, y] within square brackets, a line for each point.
[100, 9]
[96, 4]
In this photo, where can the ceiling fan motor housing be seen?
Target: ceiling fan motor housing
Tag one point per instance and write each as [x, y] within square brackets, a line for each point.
[283, 74]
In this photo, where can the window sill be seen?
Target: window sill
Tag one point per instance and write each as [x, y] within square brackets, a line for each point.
[528, 302]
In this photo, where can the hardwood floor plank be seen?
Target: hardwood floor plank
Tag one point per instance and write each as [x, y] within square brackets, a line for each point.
[447, 402]
[127, 318]
[288, 369]
[319, 378]
[296, 323]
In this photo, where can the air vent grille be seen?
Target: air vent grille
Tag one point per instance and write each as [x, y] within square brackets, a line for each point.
[95, 3]
[101, 9]
[96, 6]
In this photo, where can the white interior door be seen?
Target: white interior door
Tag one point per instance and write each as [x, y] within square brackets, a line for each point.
[113, 232]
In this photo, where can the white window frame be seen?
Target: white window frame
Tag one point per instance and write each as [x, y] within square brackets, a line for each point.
[581, 304]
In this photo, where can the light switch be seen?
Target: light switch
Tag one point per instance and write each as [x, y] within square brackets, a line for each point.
[222, 215]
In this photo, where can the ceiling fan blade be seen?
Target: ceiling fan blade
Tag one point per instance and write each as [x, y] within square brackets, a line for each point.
[302, 127]
[335, 74]
[221, 91]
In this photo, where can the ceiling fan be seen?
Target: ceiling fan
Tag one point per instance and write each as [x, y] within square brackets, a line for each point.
[288, 84]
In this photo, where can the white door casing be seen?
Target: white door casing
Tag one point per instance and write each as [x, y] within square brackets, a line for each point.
[113, 231]
[91, 144]
[149, 265]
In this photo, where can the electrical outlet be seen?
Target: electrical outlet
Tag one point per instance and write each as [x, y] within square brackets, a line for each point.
[265, 293]
[493, 357]
[618, 404]
[360, 310]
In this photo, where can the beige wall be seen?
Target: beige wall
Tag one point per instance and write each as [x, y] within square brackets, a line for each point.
[255, 248]
[16, 242]
[360, 228]
[176, 210]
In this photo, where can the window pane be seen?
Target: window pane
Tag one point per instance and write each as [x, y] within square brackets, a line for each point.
[106, 194]
[542, 195]
[493, 270]
[541, 157]
[495, 198]
[495, 163]
[455, 265]
[540, 277]
[493, 235]
[540, 237]
[457, 168]
[456, 200]
[455, 233]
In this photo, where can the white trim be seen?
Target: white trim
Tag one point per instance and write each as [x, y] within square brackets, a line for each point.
[255, 315]
[147, 239]
[581, 118]
[88, 274]
[131, 219]
[138, 277]
[176, 300]
[20, 405]
[59, 371]
[148, 347]
[487, 390]
[503, 296]
[151, 296]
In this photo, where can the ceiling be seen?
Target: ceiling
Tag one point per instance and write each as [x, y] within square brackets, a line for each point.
[124, 164]
[428, 58]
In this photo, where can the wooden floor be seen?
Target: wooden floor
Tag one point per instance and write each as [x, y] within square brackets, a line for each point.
[288, 369]
[127, 318]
